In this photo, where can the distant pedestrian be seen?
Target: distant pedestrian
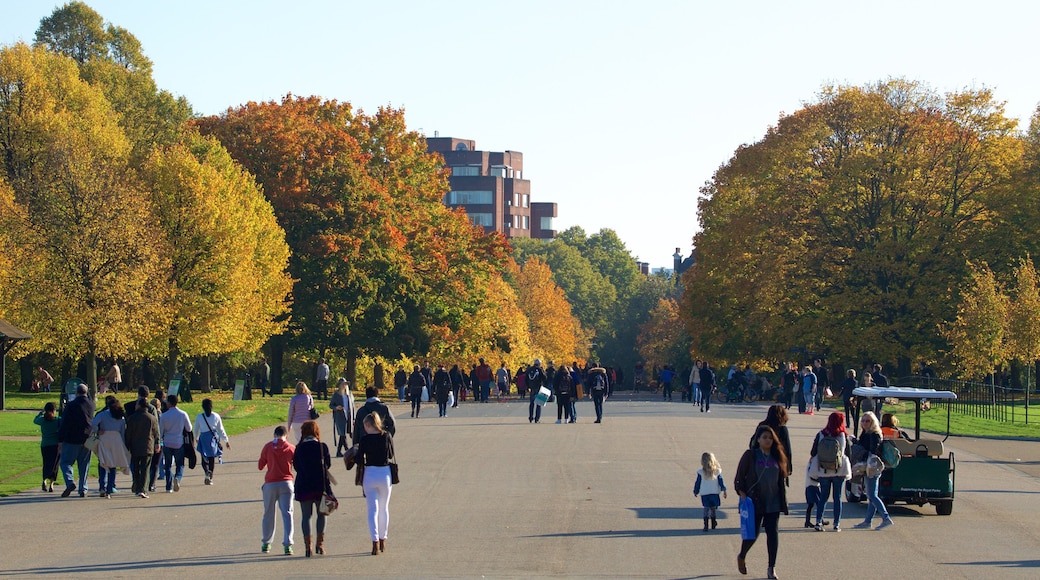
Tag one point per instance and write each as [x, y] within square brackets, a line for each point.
[401, 384]
[441, 389]
[277, 458]
[707, 386]
[321, 380]
[666, 377]
[142, 440]
[72, 434]
[416, 384]
[49, 423]
[173, 425]
[807, 403]
[502, 380]
[760, 476]
[263, 378]
[695, 383]
[311, 462]
[300, 407]
[848, 399]
[563, 388]
[598, 383]
[342, 405]
[114, 377]
[44, 379]
[212, 438]
[709, 485]
[458, 384]
[535, 381]
[484, 378]
[110, 427]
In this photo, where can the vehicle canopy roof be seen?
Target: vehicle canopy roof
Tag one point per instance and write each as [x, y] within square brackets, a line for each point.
[902, 393]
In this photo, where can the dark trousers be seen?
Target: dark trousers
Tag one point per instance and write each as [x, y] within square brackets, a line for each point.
[321, 388]
[597, 400]
[416, 404]
[139, 472]
[563, 407]
[50, 462]
[485, 391]
[851, 413]
[666, 391]
[706, 398]
[534, 411]
[153, 469]
[771, 522]
[208, 463]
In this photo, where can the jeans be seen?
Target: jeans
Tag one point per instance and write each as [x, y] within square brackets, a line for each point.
[807, 401]
[169, 457]
[695, 394]
[309, 507]
[416, 404]
[278, 497]
[706, 398]
[563, 407]
[80, 455]
[826, 486]
[401, 392]
[377, 488]
[442, 408]
[597, 400]
[534, 411]
[106, 479]
[153, 468]
[485, 391]
[874, 503]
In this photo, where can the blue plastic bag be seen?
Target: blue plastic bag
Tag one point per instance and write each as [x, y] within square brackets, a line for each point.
[748, 530]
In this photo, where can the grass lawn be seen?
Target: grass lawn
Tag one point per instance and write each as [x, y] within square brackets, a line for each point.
[934, 421]
[20, 460]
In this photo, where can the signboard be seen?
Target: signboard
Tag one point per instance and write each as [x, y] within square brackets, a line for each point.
[240, 387]
[175, 387]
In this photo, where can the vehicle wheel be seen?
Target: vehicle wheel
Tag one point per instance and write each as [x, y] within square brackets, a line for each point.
[944, 508]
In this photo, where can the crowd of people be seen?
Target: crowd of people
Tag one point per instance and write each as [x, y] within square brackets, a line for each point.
[153, 438]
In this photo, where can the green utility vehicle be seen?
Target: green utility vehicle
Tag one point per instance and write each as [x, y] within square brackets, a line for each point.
[926, 473]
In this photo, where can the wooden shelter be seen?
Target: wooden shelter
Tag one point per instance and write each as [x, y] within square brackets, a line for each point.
[9, 336]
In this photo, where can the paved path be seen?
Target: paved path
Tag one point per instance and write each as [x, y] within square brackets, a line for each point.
[486, 494]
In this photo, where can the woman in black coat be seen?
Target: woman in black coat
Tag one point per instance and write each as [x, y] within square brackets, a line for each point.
[311, 461]
[441, 389]
[760, 476]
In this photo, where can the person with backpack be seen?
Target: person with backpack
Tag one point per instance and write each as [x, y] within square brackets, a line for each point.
[598, 383]
[536, 379]
[562, 387]
[830, 451]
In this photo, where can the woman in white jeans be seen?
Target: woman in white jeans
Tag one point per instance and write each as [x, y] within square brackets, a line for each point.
[374, 452]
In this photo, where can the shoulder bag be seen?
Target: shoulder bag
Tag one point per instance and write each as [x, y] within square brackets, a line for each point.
[328, 502]
[391, 460]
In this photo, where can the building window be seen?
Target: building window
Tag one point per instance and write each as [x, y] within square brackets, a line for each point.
[482, 219]
[516, 199]
[470, 197]
[525, 200]
[499, 170]
[527, 222]
[460, 147]
[465, 170]
[546, 224]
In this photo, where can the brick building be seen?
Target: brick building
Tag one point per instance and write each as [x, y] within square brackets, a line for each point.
[491, 187]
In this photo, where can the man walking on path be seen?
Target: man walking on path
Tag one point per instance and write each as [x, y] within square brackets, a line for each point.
[142, 440]
[707, 386]
[321, 380]
[72, 434]
[599, 385]
[484, 378]
[373, 405]
[535, 380]
[173, 424]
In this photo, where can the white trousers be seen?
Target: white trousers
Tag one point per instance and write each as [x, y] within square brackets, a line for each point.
[377, 495]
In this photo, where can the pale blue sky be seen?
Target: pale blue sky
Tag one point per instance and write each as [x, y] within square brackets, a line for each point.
[621, 109]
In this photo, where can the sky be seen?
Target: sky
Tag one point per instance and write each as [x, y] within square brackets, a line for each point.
[622, 110]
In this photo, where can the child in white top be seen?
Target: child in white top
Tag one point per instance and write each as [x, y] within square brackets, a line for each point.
[709, 484]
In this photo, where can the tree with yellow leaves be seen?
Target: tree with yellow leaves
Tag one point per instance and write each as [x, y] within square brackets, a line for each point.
[555, 333]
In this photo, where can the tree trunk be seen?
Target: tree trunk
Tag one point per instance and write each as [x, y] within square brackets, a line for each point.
[352, 370]
[25, 371]
[277, 357]
[205, 370]
[91, 377]
[172, 359]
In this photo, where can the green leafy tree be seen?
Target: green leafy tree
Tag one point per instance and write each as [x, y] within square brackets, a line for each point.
[979, 331]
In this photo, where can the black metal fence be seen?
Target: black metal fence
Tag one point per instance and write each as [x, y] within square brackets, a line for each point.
[984, 400]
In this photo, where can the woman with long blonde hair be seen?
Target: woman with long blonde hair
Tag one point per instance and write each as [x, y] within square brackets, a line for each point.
[870, 439]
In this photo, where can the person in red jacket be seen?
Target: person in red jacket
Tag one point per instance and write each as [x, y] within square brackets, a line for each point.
[277, 457]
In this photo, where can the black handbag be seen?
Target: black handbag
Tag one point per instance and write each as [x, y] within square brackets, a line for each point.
[391, 460]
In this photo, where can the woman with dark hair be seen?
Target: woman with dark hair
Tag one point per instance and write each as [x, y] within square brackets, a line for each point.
[49, 422]
[110, 427]
[832, 465]
[311, 462]
[210, 433]
[760, 476]
[776, 418]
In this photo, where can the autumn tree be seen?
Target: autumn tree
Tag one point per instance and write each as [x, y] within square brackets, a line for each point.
[843, 230]
[66, 161]
[978, 334]
[555, 333]
[663, 338]
[378, 260]
[228, 253]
